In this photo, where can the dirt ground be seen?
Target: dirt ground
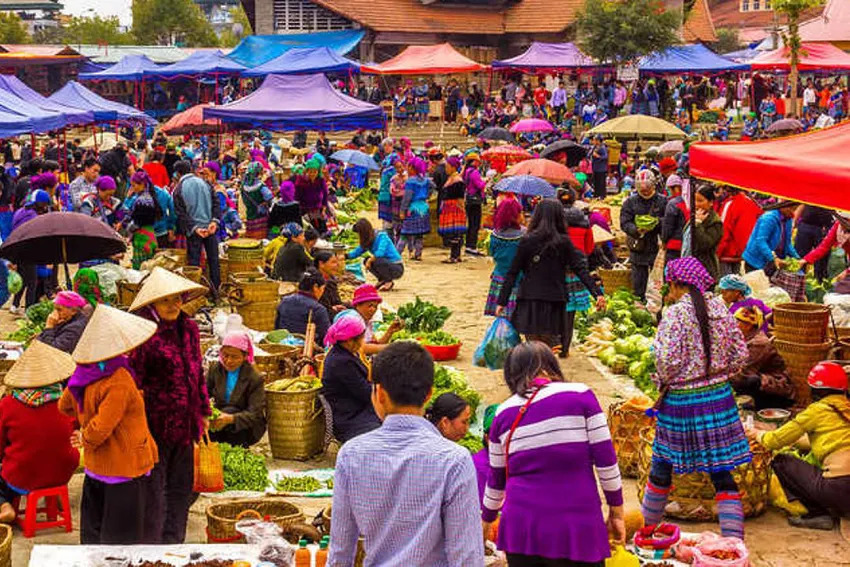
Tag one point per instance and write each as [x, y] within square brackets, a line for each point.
[463, 288]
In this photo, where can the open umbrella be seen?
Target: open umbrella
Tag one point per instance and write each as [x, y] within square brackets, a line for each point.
[532, 125]
[494, 133]
[355, 157]
[506, 152]
[671, 148]
[525, 185]
[551, 171]
[191, 121]
[61, 238]
[637, 126]
[785, 126]
[575, 152]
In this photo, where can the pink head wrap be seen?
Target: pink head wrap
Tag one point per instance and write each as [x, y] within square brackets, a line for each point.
[344, 328]
[242, 341]
[70, 299]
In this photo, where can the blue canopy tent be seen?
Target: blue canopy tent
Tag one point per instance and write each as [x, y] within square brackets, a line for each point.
[693, 58]
[255, 50]
[72, 116]
[200, 63]
[41, 120]
[12, 125]
[299, 102]
[75, 95]
[130, 68]
[302, 61]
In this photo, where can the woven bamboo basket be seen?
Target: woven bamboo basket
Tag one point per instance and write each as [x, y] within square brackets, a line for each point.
[222, 517]
[692, 495]
[253, 286]
[206, 343]
[193, 273]
[5, 365]
[803, 323]
[800, 359]
[259, 315]
[842, 332]
[296, 424]
[613, 280]
[178, 254]
[244, 255]
[326, 528]
[127, 292]
[627, 423]
[223, 268]
[5, 546]
[271, 366]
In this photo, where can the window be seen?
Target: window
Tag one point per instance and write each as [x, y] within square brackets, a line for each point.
[756, 5]
[304, 15]
[767, 5]
[745, 5]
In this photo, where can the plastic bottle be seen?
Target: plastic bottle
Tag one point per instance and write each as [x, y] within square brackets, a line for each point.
[302, 554]
[322, 554]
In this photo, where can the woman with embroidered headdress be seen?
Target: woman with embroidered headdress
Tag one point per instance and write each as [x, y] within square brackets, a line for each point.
[66, 322]
[103, 205]
[292, 259]
[416, 217]
[697, 349]
[87, 284]
[311, 192]
[385, 205]
[165, 218]
[736, 293]
[452, 210]
[257, 198]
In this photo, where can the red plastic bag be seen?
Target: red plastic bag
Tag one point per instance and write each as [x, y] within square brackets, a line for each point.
[722, 552]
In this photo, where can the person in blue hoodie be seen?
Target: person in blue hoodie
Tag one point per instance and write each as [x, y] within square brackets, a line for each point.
[770, 243]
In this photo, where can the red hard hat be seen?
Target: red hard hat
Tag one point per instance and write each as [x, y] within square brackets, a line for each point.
[828, 375]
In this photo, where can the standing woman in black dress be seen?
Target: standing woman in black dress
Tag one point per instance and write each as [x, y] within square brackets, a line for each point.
[543, 257]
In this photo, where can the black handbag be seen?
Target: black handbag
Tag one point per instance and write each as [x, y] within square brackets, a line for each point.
[636, 245]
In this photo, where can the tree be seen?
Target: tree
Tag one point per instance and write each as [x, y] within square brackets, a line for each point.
[12, 29]
[97, 29]
[171, 22]
[792, 10]
[727, 40]
[621, 32]
[239, 18]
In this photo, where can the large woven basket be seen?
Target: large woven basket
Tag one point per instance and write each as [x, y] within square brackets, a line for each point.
[296, 424]
[244, 255]
[259, 316]
[627, 423]
[801, 322]
[5, 366]
[253, 286]
[193, 273]
[127, 292]
[222, 517]
[5, 546]
[692, 495]
[271, 366]
[326, 528]
[800, 359]
[177, 254]
[612, 280]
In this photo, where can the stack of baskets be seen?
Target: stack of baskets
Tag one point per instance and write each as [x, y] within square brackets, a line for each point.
[627, 422]
[296, 423]
[801, 331]
[222, 517]
[244, 255]
[176, 254]
[612, 280]
[127, 292]
[276, 361]
[255, 298]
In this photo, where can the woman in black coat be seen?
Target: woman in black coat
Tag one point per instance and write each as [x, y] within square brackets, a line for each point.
[543, 257]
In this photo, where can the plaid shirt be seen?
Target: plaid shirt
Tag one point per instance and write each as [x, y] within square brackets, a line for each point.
[413, 496]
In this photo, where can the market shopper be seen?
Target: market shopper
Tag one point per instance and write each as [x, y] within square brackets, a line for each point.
[739, 214]
[165, 217]
[38, 203]
[770, 242]
[475, 197]
[504, 242]
[365, 304]
[66, 322]
[198, 212]
[453, 210]
[838, 235]
[813, 226]
[329, 265]
[415, 213]
[535, 529]
[450, 414]
[257, 199]
[311, 192]
[406, 477]
[642, 242]
[707, 231]
[238, 392]
[295, 310]
[169, 371]
[292, 259]
[676, 216]
[765, 377]
[599, 165]
[345, 379]
[697, 348]
[120, 452]
[385, 262]
[736, 293]
[103, 204]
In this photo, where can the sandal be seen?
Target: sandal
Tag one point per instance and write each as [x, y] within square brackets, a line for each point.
[448, 261]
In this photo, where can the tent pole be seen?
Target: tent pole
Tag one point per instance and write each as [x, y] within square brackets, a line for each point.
[65, 262]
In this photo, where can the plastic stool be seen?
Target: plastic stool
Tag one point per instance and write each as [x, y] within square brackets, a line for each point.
[56, 518]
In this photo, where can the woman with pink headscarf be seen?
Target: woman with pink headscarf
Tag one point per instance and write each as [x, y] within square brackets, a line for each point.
[237, 390]
[66, 322]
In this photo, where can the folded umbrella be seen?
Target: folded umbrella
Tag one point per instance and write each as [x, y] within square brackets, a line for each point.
[532, 125]
[355, 157]
[494, 133]
[551, 171]
[575, 152]
[525, 185]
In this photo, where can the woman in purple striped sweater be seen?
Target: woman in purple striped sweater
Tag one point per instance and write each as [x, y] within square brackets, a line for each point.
[545, 442]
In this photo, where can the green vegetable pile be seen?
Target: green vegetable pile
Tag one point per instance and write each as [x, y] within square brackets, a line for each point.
[616, 200]
[816, 290]
[243, 470]
[805, 457]
[423, 316]
[216, 413]
[298, 484]
[33, 325]
[434, 338]
[354, 203]
[646, 222]
[792, 265]
[346, 236]
[451, 380]
[471, 443]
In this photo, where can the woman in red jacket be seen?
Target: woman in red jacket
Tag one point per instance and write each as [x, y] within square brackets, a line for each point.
[838, 236]
[35, 439]
[739, 214]
[581, 235]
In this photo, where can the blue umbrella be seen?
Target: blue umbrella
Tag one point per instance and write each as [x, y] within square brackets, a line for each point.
[355, 157]
[526, 185]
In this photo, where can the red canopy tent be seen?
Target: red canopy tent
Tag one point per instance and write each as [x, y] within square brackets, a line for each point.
[806, 168]
[442, 59]
[191, 121]
[813, 57]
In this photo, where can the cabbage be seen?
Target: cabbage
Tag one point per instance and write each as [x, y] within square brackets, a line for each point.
[607, 355]
[773, 296]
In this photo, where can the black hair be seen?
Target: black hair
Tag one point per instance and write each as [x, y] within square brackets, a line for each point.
[566, 195]
[363, 229]
[527, 361]
[707, 191]
[144, 212]
[35, 165]
[89, 162]
[311, 234]
[182, 167]
[50, 165]
[448, 405]
[157, 156]
[820, 393]
[310, 279]
[701, 311]
[322, 256]
[405, 370]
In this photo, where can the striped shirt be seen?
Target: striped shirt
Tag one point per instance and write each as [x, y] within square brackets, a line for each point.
[550, 501]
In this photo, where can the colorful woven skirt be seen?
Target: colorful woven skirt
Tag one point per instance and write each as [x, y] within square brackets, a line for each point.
[452, 218]
[385, 210]
[578, 298]
[700, 431]
[415, 225]
[257, 228]
[493, 296]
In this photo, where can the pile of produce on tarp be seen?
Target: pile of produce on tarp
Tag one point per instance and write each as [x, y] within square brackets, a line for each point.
[423, 322]
[449, 379]
[33, 324]
[243, 470]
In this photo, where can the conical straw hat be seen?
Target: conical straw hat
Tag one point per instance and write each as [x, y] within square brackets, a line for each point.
[160, 284]
[40, 365]
[109, 333]
[601, 235]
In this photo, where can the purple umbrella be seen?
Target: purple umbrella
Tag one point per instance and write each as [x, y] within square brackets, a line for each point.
[785, 125]
[532, 125]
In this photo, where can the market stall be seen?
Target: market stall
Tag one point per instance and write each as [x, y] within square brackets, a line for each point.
[548, 58]
[693, 58]
[813, 57]
[71, 116]
[254, 50]
[305, 61]
[75, 95]
[441, 59]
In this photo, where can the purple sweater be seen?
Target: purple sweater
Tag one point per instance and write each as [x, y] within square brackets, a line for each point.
[550, 504]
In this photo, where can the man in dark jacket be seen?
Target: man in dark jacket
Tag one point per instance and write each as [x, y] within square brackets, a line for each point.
[296, 309]
[22, 187]
[676, 216]
[116, 163]
[643, 243]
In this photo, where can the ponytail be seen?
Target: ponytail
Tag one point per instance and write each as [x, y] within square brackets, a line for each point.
[701, 310]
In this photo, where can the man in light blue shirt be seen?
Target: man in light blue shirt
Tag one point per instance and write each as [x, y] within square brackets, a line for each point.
[411, 494]
[559, 102]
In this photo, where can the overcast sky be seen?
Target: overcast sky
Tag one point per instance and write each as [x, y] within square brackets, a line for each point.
[120, 8]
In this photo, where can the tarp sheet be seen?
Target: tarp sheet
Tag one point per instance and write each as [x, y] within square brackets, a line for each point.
[199, 63]
[41, 120]
[806, 168]
[302, 61]
[72, 116]
[554, 56]
[813, 57]
[693, 58]
[12, 125]
[75, 95]
[309, 102]
[130, 68]
[440, 59]
[255, 50]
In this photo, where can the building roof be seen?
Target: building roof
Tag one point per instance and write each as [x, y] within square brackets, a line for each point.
[727, 14]
[22, 5]
[542, 16]
[39, 50]
[832, 25]
[157, 53]
[412, 16]
[698, 26]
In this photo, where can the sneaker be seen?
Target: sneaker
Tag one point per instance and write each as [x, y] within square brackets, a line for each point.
[472, 252]
[812, 522]
[15, 310]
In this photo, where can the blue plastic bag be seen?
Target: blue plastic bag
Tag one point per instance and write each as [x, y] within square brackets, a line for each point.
[499, 339]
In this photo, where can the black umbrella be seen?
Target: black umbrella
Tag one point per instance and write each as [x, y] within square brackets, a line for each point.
[61, 238]
[575, 152]
[494, 133]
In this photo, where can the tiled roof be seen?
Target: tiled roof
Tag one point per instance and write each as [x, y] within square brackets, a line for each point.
[727, 14]
[542, 16]
[412, 16]
[698, 26]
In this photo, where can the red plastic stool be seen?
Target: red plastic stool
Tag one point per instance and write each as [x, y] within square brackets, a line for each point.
[56, 518]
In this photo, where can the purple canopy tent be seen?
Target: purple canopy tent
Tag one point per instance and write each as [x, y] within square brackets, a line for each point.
[129, 68]
[305, 102]
[305, 61]
[542, 57]
[72, 116]
[75, 95]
